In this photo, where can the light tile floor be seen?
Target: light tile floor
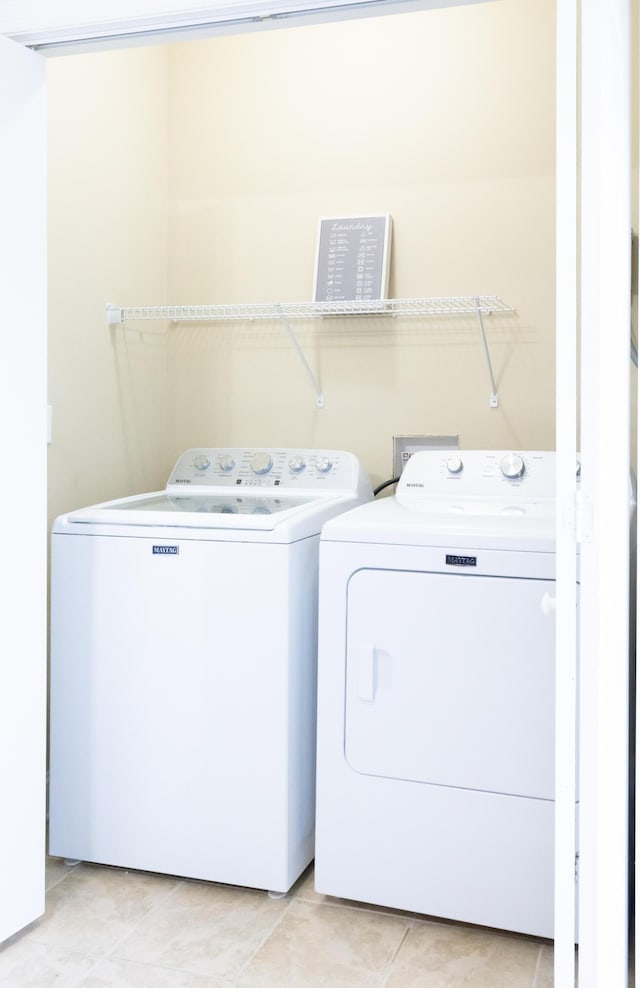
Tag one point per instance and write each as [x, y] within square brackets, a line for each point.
[106, 927]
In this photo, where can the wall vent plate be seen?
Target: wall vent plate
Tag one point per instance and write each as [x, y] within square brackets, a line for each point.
[405, 446]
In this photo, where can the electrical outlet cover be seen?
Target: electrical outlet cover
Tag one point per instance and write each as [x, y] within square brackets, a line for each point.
[405, 446]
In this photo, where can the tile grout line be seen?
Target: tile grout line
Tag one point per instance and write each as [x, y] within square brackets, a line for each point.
[60, 880]
[537, 968]
[272, 930]
[108, 954]
[332, 905]
[156, 966]
[357, 907]
[387, 971]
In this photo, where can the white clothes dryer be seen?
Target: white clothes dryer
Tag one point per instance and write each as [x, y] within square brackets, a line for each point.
[183, 667]
[436, 693]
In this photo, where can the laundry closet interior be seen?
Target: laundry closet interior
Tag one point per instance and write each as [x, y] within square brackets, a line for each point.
[196, 173]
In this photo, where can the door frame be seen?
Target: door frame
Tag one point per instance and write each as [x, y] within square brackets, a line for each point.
[598, 522]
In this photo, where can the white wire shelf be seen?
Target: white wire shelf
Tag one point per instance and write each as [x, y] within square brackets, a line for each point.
[449, 305]
[445, 306]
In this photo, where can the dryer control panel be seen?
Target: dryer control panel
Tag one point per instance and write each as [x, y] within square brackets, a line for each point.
[289, 469]
[478, 474]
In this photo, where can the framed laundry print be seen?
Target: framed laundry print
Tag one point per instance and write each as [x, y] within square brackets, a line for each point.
[352, 258]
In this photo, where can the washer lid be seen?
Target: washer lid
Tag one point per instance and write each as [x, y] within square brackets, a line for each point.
[290, 492]
[216, 504]
[228, 510]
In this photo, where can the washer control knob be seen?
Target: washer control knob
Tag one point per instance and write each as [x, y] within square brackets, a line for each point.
[202, 462]
[297, 464]
[512, 466]
[261, 462]
[324, 464]
[454, 464]
[226, 462]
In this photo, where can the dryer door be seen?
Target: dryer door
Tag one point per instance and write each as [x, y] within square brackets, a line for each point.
[450, 680]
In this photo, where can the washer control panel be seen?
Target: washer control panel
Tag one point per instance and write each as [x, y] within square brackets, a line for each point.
[291, 469]
[479, 473]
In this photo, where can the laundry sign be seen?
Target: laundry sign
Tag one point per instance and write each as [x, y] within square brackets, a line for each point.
[352, 258]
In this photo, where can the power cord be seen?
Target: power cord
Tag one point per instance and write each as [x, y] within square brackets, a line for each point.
[386, 483]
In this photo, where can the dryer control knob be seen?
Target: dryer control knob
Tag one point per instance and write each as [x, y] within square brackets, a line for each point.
[512, 466]
[297, 464]
[201, 462]
[324, 464]
[454, 464]
[261, 462]
[226, 462]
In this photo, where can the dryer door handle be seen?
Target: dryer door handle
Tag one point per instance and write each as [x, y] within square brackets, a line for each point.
[367, 672]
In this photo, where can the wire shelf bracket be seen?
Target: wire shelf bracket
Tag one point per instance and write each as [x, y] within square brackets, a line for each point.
[493, 397]
[305, 363]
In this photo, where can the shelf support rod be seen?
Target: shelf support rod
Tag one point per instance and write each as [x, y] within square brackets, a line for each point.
[305, 362]
[493, 397]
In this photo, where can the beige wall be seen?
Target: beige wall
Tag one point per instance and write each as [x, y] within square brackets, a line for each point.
[107, 243]
[197, 174]
[444, 119]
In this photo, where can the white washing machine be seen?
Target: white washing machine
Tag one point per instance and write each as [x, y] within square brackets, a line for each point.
[183, 667]
[436, 693]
